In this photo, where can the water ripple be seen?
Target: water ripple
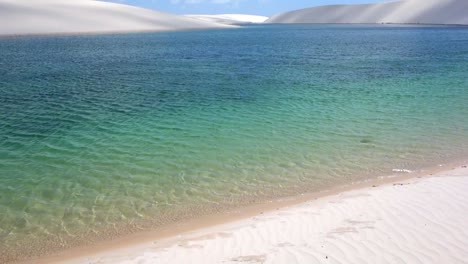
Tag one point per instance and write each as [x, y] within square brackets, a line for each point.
[102, 131]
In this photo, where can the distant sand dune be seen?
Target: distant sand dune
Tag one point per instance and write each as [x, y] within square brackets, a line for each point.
[231, 19]
[19, 17]
[404, 12]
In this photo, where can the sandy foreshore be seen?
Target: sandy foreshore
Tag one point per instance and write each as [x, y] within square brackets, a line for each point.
[420, 219]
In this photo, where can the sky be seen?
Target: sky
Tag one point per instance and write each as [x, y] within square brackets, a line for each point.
[253, 7]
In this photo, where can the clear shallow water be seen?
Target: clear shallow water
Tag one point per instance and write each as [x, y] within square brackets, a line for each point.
[98, 131]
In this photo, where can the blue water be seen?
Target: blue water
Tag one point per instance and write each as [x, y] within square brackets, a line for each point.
[101, 136]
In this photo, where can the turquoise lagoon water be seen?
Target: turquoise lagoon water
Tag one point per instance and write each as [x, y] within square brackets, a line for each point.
[138, 130]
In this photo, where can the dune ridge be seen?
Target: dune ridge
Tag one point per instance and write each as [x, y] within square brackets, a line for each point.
[398, 12]
[421, 220]
[23, 17]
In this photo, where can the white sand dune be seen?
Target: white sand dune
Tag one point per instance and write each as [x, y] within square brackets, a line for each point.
[423, 220]
[402, 12]
[231, 19]
[20, 17]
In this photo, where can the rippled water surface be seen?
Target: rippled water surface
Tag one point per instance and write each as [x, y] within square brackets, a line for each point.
[125, 130]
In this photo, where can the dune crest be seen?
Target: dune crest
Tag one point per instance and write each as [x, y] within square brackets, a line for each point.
[22, 17]
[399, 12]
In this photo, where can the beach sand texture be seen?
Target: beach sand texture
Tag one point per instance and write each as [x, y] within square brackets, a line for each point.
[422, 220]
[22, 17]
[399, 12]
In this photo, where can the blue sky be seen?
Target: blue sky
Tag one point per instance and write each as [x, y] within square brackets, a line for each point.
[255, 7]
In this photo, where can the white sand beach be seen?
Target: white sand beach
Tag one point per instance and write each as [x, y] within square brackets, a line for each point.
[23, 17]
[231, 19]
[399, 12]
[418, 220]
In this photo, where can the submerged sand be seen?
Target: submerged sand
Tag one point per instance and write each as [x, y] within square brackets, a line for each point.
[421, 220]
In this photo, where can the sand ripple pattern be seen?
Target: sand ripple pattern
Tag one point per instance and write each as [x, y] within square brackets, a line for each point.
[418, 222]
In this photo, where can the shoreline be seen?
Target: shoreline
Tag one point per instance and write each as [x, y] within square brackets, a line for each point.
[168, 234]
[110, 33]
[377, 24]
[225, 26]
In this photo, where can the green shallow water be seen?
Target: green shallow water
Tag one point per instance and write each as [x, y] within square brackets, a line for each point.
[145, 129]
